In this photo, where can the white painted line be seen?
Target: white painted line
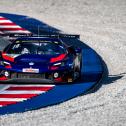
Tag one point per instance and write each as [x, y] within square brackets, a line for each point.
[41, 85]
[13, 99]
[22, 92]
[9, 26]
[5, 21]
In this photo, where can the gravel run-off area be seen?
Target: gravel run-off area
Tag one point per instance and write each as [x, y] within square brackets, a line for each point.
[101, 25]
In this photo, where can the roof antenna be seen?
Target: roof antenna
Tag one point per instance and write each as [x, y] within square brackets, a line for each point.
[38, 30]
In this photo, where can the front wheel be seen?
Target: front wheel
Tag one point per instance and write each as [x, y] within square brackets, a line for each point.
[76, 73]
[78, 66]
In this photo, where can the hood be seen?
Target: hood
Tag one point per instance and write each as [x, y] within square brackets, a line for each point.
[33, 59]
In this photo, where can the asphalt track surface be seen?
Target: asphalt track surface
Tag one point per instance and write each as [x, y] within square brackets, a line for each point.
[92, 72]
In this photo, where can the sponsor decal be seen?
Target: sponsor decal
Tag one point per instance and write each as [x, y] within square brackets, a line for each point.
[30, 70]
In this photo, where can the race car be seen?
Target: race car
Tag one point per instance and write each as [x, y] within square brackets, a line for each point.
[40, 60]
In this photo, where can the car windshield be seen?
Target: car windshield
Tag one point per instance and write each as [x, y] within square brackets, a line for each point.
[43, 48]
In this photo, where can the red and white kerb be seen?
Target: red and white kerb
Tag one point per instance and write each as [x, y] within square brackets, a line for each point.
[12, 94]
[9, 27]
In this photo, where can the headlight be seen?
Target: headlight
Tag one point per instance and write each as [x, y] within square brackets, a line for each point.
[6, 64]
[59, 64]
[55, 66]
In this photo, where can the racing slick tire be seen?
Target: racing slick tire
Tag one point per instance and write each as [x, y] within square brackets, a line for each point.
[78, 66]
[76, 74]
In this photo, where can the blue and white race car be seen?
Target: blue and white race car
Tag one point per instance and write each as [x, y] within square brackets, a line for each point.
[40, 59]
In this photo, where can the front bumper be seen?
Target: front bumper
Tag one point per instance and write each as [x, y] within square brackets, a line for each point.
[7, 76]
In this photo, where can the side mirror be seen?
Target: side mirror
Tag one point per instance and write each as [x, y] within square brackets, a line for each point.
[71, 49]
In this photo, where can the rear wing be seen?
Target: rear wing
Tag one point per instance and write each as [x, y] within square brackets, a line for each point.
[47, 35]
[12, 37]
